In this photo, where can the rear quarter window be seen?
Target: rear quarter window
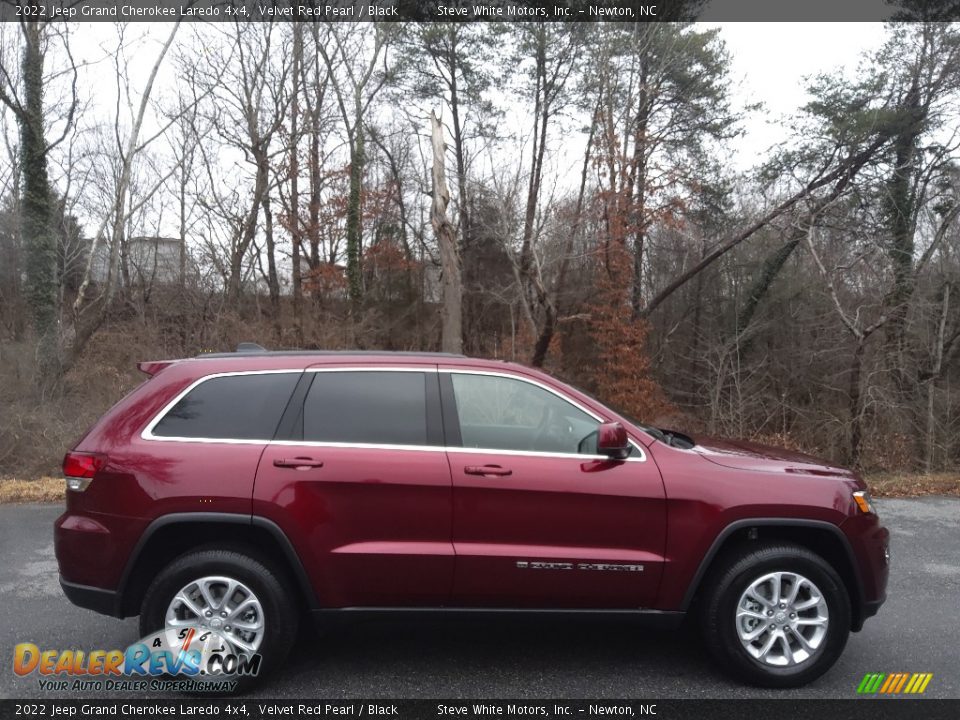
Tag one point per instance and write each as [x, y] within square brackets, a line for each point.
[233, 407]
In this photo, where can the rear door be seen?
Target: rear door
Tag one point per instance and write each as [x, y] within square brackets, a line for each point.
[361, 483]
[539, 519]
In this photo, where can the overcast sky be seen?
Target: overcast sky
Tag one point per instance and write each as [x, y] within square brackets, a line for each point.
[770, 62]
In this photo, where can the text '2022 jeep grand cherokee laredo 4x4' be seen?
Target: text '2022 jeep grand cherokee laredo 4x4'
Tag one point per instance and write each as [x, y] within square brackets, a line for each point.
[236, 491]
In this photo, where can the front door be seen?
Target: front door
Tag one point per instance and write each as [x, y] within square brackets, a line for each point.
[540, 520]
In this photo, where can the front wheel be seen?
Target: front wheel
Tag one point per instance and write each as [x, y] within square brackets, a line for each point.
[230, 593]
[776, 615]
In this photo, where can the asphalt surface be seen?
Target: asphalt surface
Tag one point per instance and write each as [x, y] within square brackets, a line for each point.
[524, 658]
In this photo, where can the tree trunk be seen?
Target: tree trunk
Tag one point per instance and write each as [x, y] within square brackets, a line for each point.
[37, 232]
[637, 197]
[273, 282]
[451, 309]
[761, 284]
[296, 236]
[540, 118]
[354, 228]
[458, 148]
[855, 405]
[931, 420]
[542, 345]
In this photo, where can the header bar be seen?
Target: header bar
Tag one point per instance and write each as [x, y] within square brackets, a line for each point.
[632, 11]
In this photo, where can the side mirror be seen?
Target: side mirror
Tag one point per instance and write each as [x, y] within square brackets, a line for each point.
[612, 441]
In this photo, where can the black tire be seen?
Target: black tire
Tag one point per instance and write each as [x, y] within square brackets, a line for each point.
[272, 590]
[728, 581]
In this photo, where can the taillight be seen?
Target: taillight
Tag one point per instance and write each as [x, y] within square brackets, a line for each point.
[79, 469]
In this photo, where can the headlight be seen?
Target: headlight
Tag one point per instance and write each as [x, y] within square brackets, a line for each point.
[864, 501]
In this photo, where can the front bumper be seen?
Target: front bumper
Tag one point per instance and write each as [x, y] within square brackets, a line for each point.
[870, 544]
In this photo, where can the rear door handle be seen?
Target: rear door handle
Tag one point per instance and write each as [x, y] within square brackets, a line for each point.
[487, 470]
[298, 463]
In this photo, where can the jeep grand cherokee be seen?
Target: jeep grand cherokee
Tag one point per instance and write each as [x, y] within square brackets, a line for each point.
[243, 491]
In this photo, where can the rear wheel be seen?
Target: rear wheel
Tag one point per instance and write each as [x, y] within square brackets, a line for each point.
[230, 593]
[776, 615]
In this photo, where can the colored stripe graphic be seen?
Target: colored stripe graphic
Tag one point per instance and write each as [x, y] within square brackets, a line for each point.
[903, 679]
[891, 681]
[894, 683]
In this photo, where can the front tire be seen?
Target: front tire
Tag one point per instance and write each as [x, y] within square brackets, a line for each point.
[776, 615]
[230, 592]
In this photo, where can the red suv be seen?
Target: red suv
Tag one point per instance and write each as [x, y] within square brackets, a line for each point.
[243, 491]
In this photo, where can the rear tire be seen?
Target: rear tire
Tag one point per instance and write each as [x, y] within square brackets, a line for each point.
[210, 573]
[775, 615]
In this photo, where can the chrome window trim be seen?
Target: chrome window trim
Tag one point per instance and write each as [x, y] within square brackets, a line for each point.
[377, 368]
[147, 433]
[438, 448]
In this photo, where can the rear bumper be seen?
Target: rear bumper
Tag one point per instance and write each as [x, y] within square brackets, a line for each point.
[105, 602]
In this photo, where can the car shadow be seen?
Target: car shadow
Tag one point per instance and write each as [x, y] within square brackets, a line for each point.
[491, 656]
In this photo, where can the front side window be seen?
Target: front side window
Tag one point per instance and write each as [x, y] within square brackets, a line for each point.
[368, 407]
[233, 407]
[500, 413]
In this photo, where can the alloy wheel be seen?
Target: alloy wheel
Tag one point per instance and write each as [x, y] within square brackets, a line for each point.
[221, 604]
[782, 619]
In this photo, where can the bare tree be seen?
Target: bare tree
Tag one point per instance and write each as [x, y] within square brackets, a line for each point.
[89, 312]
[352, 63]
[452, 318]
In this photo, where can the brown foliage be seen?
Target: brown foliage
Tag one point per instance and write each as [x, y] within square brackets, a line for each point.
[607, 352]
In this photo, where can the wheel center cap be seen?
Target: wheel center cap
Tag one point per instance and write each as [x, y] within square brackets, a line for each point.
[780, 617]
[215, 623]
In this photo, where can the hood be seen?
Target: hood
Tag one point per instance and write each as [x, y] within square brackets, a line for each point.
[746, 455]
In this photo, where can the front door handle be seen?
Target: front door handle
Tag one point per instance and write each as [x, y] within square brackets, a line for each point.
[487, 470]
[298, 463]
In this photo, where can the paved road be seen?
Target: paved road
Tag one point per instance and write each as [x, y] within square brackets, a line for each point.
[916, 631]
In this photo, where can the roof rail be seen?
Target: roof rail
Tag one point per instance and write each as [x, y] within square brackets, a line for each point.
[247, 348]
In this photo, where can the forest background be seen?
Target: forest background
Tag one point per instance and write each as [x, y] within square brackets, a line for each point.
[583, 203]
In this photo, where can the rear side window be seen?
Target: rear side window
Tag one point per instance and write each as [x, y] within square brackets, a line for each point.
[235, 407]
[375, 408]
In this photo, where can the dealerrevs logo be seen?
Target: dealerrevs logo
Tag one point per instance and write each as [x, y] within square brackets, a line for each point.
[894, 683]
[183, 659]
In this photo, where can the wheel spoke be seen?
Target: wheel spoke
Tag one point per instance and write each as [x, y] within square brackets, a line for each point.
[798, 582]
[767, 646]
[208, 596]
[804, 643]
[744, 612]
[754, 594]
[243, 606]
[177, 622]
[190, 604]
[231, 589]
[787, 650]
[239, 625]
[807, 604]
[237, 642]
[816, 622]
[775, 585]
